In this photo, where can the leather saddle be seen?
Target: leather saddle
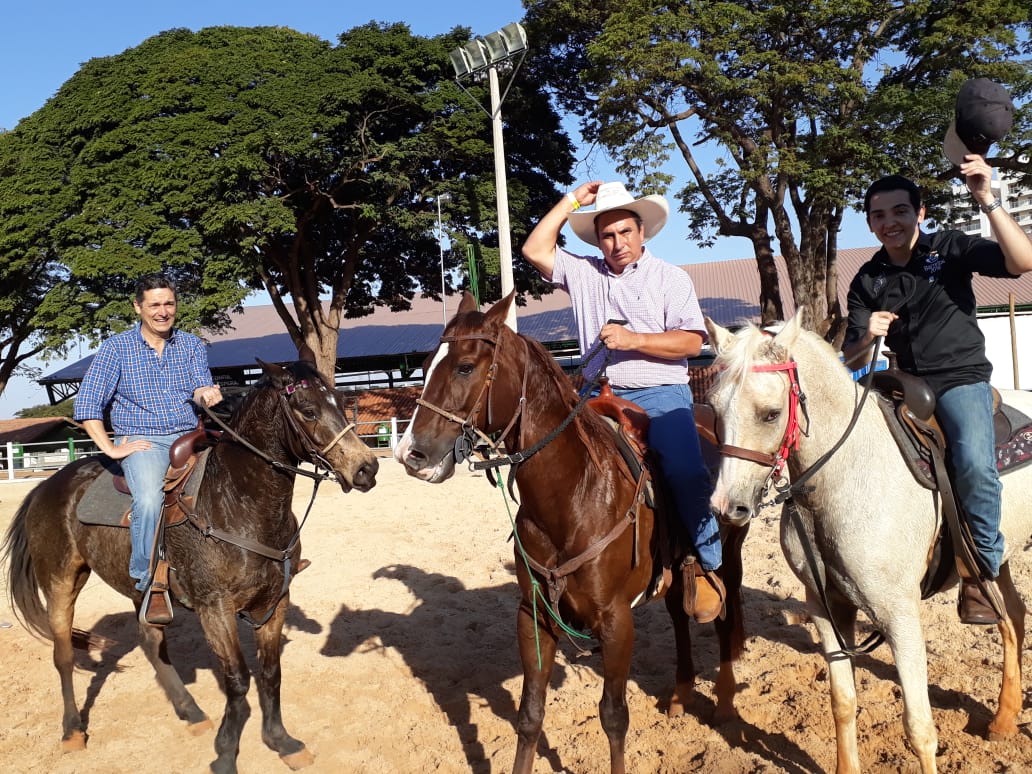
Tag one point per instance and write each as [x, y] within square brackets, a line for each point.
[109, 501]
[908, 405]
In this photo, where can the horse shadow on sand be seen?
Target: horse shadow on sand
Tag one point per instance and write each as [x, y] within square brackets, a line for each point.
[476, 627]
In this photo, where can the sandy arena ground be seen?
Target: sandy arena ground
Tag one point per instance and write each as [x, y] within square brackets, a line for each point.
[401, 657]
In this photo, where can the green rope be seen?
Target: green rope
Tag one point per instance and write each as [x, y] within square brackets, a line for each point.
[537, 592]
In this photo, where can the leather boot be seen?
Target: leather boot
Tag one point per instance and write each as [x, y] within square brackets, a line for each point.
[704, 592]
[972, 606]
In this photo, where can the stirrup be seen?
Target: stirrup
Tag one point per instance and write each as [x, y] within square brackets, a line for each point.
[156, 608]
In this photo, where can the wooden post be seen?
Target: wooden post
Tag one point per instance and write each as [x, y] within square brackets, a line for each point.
[1014, 341]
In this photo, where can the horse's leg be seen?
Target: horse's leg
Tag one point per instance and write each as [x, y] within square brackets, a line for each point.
[1012, 633]
[61, 594]
[617, 635]
[731, 628]
[155, 648]
[535, 684]
[904, 636]
[841, 679]
[269, 638]
[220, 629]
[684, 675]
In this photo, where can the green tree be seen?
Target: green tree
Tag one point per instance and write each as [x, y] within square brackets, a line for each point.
[65, 408]
[242, 159]
[35, 301]
[783, 112]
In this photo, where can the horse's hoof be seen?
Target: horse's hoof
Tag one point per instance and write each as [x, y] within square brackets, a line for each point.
[299, 760]
[1001, 732]
[200, 727]
[724, 715]
[76, 742]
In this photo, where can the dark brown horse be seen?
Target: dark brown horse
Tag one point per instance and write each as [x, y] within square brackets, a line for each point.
[580, 532]
[291, 415]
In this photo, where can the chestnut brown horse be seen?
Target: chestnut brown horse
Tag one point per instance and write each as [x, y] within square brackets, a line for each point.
[238, 566]
[583, 530]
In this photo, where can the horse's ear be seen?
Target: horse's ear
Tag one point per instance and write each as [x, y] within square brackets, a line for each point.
[271, 369]
[718, 336]
[468, 303]
[306, 354]
[497, 314]
[790, 331]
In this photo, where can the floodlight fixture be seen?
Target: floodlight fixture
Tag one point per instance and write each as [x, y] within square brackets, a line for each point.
[460, 63]
[506, 43]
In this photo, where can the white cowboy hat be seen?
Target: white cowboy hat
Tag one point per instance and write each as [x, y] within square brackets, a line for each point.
[653, 211]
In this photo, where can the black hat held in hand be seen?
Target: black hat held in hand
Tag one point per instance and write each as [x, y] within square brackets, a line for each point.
[984, 114]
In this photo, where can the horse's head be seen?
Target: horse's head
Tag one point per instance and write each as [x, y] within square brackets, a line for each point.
[471, 387]
[322, 432]
[755, 400]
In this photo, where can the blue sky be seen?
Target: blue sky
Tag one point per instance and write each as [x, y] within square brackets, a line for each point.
[46, 43]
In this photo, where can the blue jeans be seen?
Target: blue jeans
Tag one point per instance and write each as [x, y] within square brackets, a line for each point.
[675, 442]
[145, 474]
[966, 416]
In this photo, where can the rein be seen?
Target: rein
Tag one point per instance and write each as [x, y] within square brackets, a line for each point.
[317, 458]
[555, 577]
[786, 492]
[466, 441]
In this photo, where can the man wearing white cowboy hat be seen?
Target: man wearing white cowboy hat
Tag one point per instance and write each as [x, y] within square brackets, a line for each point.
[660, 326]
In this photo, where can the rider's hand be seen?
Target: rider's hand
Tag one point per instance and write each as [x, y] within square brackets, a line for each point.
[122, 450]
[207, 396]
[880, 323]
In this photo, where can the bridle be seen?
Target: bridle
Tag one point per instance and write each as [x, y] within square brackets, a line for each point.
[308, 450]
[316, 456]
[790, 440]
[470, 432]
[466, 440]
[786, 490]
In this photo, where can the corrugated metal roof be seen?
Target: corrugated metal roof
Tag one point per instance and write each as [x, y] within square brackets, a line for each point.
[31, 429]
[728, 293]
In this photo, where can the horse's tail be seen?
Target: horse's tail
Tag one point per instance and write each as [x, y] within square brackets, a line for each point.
[22, 586]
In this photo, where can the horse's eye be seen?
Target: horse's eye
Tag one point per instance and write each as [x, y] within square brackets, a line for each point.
[308, 413]
[772, 416]
[465, 369]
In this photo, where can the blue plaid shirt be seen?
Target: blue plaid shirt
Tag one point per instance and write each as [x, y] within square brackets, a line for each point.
[148, 394]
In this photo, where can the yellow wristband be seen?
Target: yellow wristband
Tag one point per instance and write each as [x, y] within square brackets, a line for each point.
[573, 200]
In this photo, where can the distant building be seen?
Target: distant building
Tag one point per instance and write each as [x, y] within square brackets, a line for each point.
[1017, 200]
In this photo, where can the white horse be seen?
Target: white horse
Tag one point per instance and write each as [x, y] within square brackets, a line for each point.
[866, 525]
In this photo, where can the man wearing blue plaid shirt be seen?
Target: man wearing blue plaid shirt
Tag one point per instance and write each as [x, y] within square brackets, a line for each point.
[147, 375]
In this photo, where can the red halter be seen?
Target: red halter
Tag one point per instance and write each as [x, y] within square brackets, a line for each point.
[790, 441]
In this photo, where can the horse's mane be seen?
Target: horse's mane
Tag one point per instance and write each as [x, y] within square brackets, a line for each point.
[749, 345]
[590, 427]
[238, 404]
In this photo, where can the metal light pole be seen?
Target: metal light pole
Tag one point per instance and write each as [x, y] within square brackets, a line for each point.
[501, 196]
[440, 243]
[471, 60]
